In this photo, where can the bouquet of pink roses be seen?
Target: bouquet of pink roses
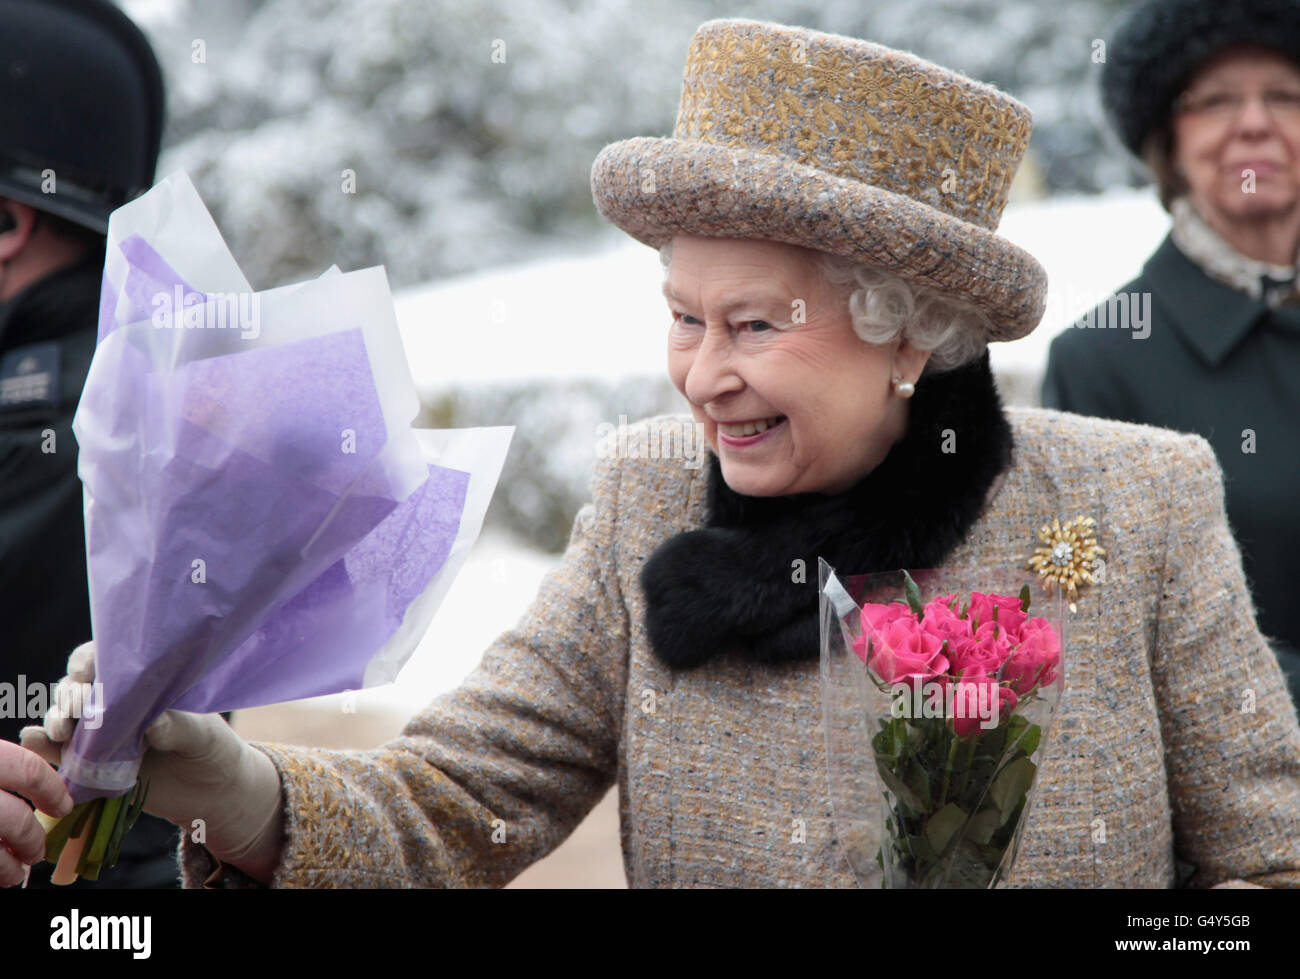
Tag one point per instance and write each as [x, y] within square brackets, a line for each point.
[953, 705]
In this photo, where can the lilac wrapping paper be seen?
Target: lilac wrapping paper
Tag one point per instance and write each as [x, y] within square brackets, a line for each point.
[262, 523]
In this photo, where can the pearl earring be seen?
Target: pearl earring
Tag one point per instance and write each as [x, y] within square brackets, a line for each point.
[904, 389]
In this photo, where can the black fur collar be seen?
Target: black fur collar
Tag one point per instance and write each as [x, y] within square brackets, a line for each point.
[736, 583]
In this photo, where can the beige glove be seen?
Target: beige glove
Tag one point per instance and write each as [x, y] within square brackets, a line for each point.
[202, 776]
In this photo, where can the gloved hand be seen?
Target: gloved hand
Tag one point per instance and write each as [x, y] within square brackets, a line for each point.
[198, 769]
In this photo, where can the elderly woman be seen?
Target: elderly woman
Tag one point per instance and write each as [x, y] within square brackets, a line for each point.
[1209, 95]
[826, 210]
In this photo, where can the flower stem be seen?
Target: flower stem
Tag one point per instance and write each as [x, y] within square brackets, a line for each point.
[947, 771]
[970, 756]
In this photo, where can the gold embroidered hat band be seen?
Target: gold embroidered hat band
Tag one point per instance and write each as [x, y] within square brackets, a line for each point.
[842, 146]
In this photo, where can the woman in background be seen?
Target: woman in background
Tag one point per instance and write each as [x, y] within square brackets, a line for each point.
[1208, 94]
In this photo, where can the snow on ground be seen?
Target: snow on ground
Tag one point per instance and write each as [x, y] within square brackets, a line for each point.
[603, 316]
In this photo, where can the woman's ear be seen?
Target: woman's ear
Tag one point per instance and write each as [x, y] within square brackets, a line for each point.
[17, 222]
[909, 361]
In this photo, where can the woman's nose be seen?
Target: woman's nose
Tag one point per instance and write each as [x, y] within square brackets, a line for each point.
[1254, 116]
[712, 373]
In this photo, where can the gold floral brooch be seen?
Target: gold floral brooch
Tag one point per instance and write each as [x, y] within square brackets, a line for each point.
[1070, 556]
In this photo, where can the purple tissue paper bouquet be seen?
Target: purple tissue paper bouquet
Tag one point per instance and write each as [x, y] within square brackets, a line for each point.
[262, 521]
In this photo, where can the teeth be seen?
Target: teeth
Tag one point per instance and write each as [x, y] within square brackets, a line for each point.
[750, 428]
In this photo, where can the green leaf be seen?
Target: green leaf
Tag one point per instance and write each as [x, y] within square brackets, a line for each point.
[983, 825]
[900, 790]
[1003, 836]
[915, 734]
[992, 742]
[1029, 741]
[1024, 599]
[919, 782]
[1009, 788]
[913, 594]
[943, 826]
[921, 849]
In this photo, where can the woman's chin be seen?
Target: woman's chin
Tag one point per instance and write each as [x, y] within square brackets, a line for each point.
[744, 479]
[1265, 203]
[750, 479]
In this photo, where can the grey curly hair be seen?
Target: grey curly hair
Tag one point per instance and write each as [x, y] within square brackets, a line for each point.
[882, 306]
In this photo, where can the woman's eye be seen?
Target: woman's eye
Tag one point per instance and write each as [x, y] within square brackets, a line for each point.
[759, 326]
[685, 319]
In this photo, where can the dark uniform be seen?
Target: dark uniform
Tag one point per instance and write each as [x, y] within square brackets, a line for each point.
[80, 128]
[47, 337]
[1227, 367]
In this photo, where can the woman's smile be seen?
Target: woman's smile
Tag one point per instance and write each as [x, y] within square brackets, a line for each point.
[741, 435]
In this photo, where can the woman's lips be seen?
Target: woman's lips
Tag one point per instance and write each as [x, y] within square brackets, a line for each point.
[1260, 167]
[738, 441]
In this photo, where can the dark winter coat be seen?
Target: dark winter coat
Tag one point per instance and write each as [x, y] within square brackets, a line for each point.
[47, 337]
[1227, 367]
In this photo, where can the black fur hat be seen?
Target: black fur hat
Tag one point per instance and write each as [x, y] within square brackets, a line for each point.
[1160, 43]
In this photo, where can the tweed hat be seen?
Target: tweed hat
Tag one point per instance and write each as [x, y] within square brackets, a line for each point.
[1156, 47]
[842, 146]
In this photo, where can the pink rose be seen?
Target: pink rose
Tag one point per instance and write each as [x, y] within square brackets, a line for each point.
[1010, 614]
[876, 618]
[1034, 662]
[980, 703]
[940, 620]
[982, 653]
[900, 651]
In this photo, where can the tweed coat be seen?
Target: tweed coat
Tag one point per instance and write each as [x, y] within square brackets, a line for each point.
[721, 769]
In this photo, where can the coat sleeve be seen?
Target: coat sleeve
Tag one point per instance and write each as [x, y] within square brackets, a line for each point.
[1231, 738]
[490, 777]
